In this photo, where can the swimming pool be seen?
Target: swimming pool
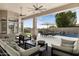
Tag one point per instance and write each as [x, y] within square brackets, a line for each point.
[72, 35]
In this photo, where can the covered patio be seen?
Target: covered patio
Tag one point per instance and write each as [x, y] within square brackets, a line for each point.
[13, 15]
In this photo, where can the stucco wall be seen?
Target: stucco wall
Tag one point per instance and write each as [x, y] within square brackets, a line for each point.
[7, 15]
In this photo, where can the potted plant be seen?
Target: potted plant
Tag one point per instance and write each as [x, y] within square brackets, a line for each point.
[34, 37]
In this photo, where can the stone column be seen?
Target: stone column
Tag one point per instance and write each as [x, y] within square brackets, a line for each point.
[22, 28]
[34, 30]
[19, 25]
[15, 27]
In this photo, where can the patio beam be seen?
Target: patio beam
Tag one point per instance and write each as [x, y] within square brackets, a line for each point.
[57, 9]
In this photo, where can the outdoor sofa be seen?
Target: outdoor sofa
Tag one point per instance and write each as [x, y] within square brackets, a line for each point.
[14, 50]
[67, 48]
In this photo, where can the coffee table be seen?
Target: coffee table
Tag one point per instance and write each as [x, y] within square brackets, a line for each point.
[29, 44]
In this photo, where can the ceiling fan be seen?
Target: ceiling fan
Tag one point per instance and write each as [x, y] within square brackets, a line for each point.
[37, 7]
[21, 12]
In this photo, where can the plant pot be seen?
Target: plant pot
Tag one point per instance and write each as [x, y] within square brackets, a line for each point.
[34, 37]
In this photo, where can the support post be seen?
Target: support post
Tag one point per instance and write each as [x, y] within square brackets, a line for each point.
[22, 28]
[34, 31]
[19, 25]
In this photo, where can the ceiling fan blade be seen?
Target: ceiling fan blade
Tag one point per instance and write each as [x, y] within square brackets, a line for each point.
[34, 6]
[37, 5]
[40, 6]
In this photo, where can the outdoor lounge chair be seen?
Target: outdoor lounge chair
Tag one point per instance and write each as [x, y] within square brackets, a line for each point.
[69, 49]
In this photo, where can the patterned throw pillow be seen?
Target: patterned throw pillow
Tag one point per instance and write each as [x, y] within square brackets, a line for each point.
[14, 46]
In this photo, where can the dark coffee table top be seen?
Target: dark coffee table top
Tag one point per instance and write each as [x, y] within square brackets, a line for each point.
[30, 42]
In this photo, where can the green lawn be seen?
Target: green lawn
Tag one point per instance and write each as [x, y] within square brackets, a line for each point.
[28, 33]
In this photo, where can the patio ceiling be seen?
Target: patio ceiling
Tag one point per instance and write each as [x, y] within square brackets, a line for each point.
[65, 7]
[15, 7]
[50, 8]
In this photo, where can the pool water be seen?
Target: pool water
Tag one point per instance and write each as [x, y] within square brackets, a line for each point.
[72, 35]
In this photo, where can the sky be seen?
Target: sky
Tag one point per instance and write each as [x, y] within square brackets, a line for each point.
[77, 16]
[46, 19]
[28, 23]
[41, 20]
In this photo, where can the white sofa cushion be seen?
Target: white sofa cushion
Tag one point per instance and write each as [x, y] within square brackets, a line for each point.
[9, 50]
[14, 45]
[30, 51]
[11, 37]
[62, 48]
[67, 43]
[76, 47]
[68, 48]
